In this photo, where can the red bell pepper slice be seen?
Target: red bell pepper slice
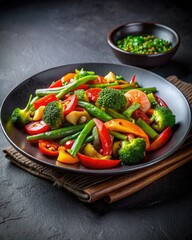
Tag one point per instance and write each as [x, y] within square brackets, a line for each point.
[37, 127]
[69, 104]
[48, 148]
[161, 139]
[104, 136]
[44, 101]
[99, 80]
[93, 94]
[58, 83]
[97, 163]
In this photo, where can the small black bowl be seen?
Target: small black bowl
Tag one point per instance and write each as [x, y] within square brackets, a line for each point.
[143, 28]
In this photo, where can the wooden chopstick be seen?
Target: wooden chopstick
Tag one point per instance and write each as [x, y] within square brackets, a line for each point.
[140, 184]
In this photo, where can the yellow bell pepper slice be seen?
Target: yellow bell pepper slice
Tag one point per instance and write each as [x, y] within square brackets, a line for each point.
[125, 126]
[65, 157]
[90, 151]
[116, 147]
[38, 113]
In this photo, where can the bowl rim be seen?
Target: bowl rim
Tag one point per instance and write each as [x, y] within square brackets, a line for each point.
[173, 49]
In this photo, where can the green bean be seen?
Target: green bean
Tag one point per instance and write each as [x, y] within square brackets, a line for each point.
[114, 114]
[89, 139]
[129, 111]
[57, 133]
[70, 137]
[102, 85]
[81, 138]
[74, 136]
[118, 135]
[146, 90]
[45, 91]
[146, 128]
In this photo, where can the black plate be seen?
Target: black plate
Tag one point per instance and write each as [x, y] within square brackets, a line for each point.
[172, 96]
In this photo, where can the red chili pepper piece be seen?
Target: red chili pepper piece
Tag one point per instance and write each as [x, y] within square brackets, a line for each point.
[48, 148]
[133, 79]
[69, 104]
[97, 163]
[104, 136]
[44, 101]
[160, 101]
[161, 139]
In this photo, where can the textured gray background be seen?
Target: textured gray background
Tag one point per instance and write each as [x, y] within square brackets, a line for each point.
[37, 35]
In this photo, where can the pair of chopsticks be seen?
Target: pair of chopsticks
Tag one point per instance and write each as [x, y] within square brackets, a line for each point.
[125, 185]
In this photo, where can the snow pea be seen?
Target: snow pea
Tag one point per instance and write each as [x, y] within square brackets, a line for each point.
[94, 111]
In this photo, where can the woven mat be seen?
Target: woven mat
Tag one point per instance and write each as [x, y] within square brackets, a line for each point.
[90, 188]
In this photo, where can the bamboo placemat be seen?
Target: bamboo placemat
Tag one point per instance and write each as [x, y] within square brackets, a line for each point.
[111, 188]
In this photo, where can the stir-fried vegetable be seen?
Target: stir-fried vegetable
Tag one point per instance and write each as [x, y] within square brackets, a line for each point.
[53, 115]
[132, 151]
[112, 98]
[101, 121]
[20, 117]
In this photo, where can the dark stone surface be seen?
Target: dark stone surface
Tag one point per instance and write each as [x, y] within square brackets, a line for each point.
[37, 35]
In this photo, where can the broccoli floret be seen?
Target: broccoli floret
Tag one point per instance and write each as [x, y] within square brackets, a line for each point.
[162, 117]
[53, 114]
[21, 117]
[81, 95]
[111, 98]
[132, 151]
